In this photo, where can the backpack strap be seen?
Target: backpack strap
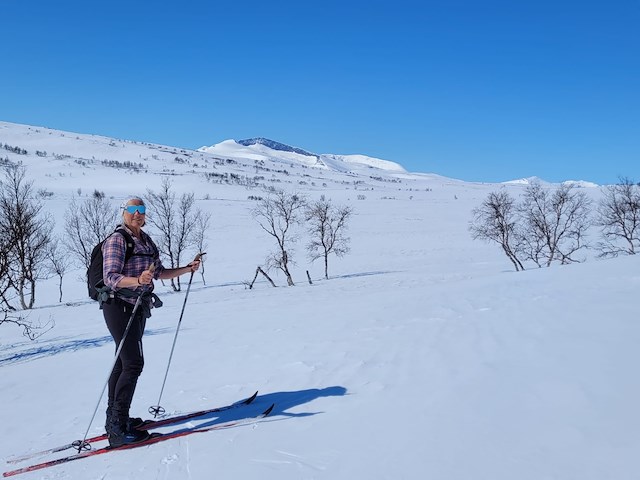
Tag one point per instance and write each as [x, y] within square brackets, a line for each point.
[128, 240]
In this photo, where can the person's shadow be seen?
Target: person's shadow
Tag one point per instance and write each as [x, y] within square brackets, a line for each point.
[282, 402]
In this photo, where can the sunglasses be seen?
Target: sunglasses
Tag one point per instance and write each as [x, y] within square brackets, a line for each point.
[141, 209]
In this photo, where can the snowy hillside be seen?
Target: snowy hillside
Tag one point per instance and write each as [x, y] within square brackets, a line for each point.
[423, 356]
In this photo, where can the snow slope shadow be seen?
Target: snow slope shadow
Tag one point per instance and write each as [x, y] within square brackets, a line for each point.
[283, 401]
[61, 345]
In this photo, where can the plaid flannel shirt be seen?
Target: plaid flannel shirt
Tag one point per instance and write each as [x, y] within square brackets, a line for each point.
[114, 267]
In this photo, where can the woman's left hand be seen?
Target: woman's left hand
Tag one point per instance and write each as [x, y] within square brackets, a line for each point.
[195, 265]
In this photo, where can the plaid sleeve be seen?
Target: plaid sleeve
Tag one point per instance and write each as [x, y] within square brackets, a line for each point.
[113, 252]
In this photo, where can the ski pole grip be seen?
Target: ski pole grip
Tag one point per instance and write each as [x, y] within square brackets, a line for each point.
[151, 268]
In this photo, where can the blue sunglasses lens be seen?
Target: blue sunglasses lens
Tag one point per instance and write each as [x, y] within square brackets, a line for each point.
[141, 209]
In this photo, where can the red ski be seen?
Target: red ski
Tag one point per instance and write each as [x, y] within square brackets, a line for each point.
[156, 438]
[146, 425]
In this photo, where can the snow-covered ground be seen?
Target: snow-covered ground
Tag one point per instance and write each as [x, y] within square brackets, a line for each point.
[423, 356]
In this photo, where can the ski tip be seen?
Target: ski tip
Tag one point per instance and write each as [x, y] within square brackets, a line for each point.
[251, 398]
[268, 410]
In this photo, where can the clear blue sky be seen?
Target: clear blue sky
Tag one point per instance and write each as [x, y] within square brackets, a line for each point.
[477, 90]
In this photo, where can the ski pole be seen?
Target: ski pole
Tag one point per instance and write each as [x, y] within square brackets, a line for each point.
[157, 409]
[82, 444]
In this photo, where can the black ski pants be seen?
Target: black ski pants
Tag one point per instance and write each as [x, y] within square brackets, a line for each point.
[128, 366]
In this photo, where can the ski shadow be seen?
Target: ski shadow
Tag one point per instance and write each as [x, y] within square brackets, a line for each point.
[364, 274]
[282, 401]
[60, 345]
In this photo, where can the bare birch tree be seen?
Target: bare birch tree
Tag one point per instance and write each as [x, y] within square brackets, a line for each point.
[6, 244]
[8, 313]
[496, 221]
[327, 224]
[58, 262]
[278, 214]
[618, 216]
[87, 223]
[201, 225]
[23, 220]
[176, 222]
[554, 223]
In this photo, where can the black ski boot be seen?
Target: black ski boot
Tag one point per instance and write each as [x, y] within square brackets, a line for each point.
[132, 423]
[120, 434]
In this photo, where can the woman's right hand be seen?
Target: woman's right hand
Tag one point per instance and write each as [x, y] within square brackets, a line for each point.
[145, 278]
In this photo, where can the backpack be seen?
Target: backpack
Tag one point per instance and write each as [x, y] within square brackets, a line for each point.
[95, 282]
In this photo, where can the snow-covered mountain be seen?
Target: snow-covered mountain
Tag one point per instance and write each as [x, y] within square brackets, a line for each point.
[531, 180]
[273, 145]
[261, 149]
[526, 181]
